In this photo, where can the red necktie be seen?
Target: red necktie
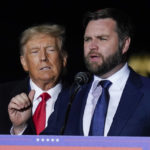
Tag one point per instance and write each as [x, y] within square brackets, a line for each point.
[39, 117]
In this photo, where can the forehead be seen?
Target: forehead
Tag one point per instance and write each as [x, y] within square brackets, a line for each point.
[100, 25]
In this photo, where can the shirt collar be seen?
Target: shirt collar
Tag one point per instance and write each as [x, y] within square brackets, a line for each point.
[119, 78]
[51, 91]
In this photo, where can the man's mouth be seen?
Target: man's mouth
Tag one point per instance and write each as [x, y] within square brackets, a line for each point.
[94, 57]
[45, 68]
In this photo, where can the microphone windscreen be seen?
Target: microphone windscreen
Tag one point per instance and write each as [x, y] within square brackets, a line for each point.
[82, 77]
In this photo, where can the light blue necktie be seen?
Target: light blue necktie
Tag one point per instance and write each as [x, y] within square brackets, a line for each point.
[99, 116]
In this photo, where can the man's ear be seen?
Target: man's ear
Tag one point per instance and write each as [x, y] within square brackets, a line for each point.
[65, 56]
[126, 45]
[24, 63]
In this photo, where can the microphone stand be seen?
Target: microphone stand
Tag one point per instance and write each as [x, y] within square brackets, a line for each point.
[77, 87]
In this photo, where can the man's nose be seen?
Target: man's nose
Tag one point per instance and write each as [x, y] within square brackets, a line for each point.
[43, 55]
[94, 45]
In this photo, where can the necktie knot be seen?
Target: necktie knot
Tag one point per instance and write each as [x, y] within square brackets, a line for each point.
[105, 84]
[45, 96]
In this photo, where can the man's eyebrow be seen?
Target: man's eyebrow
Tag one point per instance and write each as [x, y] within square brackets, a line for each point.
[103, 35]
[34, 47]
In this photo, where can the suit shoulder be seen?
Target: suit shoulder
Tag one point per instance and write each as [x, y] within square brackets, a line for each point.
[14, 87]
[145, 83]
[145, 80]
[11, 84]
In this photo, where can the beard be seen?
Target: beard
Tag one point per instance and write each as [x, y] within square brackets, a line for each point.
[107, 64]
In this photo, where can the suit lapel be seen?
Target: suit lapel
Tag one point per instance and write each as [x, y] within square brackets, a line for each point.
[83, 94]
[129, 101]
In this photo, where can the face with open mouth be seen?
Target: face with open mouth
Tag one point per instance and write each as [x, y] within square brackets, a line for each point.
[101, 46]
[42, 59]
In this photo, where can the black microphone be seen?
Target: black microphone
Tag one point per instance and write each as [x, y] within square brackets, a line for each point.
[80, 79]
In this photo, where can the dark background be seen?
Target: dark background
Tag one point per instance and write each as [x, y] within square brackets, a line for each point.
[16, 16]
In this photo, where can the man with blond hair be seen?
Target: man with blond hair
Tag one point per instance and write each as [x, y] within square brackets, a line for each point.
[43, 57]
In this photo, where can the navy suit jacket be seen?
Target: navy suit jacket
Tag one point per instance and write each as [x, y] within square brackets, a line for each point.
[9, 90]
[132, 117]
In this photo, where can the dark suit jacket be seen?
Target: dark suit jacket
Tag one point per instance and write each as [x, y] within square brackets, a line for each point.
[9, 90]
[132, 117]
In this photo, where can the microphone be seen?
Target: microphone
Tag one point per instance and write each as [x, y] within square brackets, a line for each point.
[80, 79]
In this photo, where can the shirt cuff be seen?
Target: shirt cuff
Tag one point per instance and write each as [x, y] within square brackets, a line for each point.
[12, 131]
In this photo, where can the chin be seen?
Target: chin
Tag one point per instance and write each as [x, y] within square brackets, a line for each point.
[46, 78]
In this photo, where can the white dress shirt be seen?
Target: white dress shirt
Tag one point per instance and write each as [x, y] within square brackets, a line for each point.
[118, 80]
[53, 92]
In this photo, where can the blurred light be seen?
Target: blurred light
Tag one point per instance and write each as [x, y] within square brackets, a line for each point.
[140, 63]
